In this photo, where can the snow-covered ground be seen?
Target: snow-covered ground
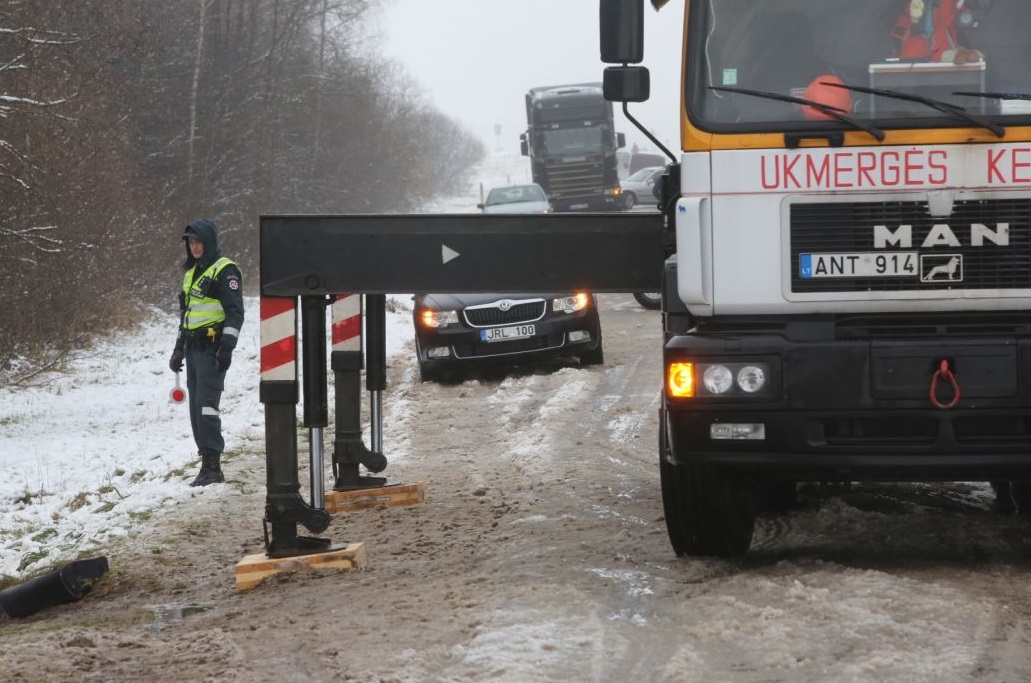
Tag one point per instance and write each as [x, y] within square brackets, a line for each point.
[87, 450]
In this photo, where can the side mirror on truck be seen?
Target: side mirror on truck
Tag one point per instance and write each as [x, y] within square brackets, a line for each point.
[626, 84]
[622, 31]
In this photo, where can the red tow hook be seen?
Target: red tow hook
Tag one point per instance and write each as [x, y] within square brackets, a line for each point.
[943, 372]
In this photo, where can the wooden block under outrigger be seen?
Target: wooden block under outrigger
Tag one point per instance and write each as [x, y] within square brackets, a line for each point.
[253, 569]
[391, 495]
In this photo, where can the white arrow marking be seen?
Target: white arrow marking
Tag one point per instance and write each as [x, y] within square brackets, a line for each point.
[447, 253]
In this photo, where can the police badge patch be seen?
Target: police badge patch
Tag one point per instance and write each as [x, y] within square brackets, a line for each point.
[234, 283]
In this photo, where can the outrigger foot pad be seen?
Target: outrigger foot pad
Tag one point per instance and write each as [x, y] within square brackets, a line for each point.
[360, 482]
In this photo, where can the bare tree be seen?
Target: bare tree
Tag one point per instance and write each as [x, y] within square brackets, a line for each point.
[123, 119]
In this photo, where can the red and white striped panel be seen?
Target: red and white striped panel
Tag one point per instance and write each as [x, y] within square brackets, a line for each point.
[278, 339]
[347, 323]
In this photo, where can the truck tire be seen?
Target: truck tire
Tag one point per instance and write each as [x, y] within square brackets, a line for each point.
[709, 510]
[650, 300]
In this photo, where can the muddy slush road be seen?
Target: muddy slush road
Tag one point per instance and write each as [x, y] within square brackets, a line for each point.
[541, 554]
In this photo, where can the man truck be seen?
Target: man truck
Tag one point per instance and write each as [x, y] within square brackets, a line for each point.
[848, 290]
[571, 141]
[843, 250]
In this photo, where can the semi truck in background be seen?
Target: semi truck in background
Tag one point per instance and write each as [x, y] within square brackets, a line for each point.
[571, 142]
[847, 293]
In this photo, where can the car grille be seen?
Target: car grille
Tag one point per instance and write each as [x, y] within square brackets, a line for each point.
[545, 343]
[848, 227]
[492, 314]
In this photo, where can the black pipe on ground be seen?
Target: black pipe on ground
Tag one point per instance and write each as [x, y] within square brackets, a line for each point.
[67, 584]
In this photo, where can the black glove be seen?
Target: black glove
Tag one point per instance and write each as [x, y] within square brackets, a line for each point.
[175, 363]
[223, 358]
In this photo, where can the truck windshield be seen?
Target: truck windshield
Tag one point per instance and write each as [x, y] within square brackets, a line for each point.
[578, 140]
[894, 63]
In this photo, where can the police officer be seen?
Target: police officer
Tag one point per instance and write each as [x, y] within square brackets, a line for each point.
[211, 314]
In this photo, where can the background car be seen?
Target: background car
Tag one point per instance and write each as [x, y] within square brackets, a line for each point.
[456, 331]
[650, 300]
[528, 198]
[637, 187]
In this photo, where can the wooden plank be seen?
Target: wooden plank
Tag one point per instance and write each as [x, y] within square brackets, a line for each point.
[253, 569]
[392, 495]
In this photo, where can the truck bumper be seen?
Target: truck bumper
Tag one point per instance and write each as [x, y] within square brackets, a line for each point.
[862, 409]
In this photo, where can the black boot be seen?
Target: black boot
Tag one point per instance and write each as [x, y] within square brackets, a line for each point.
[210, 470]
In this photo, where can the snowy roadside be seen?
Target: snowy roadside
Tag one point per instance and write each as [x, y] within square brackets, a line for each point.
[90, 450]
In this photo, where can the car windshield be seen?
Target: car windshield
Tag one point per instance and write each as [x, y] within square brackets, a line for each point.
[642, 174]
[756, 65]
[516, 194]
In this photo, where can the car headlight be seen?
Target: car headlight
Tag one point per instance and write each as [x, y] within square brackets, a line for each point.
[436, 319]
[687, 379]
[571, 304]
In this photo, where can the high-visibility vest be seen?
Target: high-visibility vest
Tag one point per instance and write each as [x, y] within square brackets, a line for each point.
[203, 310]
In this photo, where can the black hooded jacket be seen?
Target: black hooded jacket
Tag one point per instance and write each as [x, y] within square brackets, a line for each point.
[228, 286]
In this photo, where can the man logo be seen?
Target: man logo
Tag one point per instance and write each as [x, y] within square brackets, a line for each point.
[941, 268]
[940, 235]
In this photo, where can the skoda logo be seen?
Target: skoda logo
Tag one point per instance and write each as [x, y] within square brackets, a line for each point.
[504, 304]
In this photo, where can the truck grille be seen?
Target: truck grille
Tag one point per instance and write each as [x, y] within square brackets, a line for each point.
[490, 315]
[848, 227]
[576, 180]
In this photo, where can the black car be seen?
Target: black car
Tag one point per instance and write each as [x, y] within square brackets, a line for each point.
[454, 331]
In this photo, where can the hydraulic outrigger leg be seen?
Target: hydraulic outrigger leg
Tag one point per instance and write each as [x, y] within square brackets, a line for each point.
[349, 449]
[284, 507]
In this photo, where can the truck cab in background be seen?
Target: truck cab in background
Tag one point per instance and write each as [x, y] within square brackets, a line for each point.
[571, 141]
[848, 290]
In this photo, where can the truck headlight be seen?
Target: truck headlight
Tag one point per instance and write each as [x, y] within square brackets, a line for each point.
[686, 379]
[751, 378]
[717, 379]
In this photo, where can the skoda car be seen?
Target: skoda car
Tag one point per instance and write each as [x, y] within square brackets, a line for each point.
[455, 331]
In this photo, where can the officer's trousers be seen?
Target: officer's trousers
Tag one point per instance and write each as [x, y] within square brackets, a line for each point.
[204, 386]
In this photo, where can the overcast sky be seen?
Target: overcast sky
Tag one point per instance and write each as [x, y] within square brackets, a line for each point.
[476, 59]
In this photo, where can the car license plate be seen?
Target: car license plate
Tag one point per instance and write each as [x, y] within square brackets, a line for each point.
[577, 207]
[859, 264]
[497, 334]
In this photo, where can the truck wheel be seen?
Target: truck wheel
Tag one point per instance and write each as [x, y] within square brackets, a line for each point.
[709, 510]
[650, 300]
[780, 497]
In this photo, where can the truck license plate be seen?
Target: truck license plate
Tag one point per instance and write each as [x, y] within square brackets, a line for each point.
[859, 264]
[496, 334]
